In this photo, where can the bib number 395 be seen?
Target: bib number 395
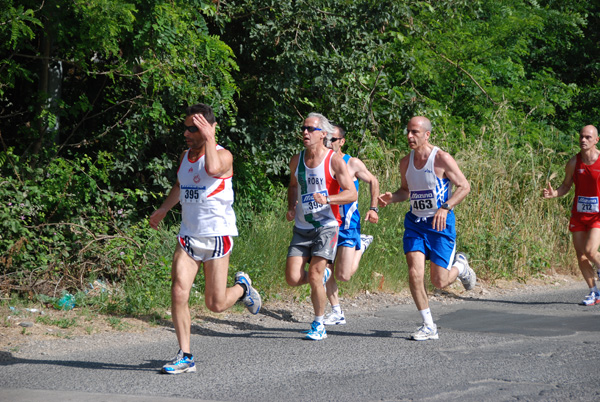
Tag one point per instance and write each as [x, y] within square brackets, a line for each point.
[192, 194]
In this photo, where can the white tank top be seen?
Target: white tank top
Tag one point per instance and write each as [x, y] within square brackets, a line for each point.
[206, 201]
[309, 213]
[427, 191]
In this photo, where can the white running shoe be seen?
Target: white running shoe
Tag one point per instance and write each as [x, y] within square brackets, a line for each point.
[251, 298]
[334, 318]
[468, 278]
[425, 333]
[365, 241]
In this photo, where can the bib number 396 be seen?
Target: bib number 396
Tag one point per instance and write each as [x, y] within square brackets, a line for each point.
[310, 206]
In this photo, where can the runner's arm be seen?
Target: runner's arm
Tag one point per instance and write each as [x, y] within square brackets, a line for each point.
[362, 173]
[169, 202]
[292, 193]
[567, 183]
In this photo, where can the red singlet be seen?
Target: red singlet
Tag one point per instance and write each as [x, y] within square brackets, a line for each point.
[585, 213]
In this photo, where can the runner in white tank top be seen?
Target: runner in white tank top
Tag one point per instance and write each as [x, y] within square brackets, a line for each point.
[429, 231]
[427, 191]
[206, 201]
[204, 189]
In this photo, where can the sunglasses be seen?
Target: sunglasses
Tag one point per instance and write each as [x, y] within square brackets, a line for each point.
[191, 129]
[310, 129]
[334, 139]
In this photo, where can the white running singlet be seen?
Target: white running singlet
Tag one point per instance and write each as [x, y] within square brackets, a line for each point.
[309, 213]
[427, 191]
[206, 201]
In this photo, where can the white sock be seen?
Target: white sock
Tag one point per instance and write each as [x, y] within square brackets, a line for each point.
[427, 318]
[336, 309]
[594, 289]
[460, 266]
[319, 319]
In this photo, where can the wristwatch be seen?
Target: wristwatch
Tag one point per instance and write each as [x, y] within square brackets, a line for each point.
[328, 200]
[374, 209]
[446, 206]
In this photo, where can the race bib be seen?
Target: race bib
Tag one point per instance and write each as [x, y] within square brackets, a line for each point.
[310, 206]
[422, 200]
[587, 204]
[192, 194]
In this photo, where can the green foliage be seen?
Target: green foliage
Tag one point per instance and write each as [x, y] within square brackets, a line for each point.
[64, 224]
[83, 163]
[126, 71]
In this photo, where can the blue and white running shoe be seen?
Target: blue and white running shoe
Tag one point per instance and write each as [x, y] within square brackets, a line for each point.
[326, 276]
[316, 332]
[180, 364]
[335, 318]
[251, 298]
[592, 299]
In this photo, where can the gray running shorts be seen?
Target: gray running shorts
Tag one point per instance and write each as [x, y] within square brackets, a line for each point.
[319, 242]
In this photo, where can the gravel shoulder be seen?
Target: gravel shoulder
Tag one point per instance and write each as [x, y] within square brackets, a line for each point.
[48, 331]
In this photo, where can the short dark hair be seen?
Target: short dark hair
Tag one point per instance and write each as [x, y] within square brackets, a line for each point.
[201, 108]
[341, 130]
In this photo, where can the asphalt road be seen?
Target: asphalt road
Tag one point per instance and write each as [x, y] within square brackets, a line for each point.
[538, 346]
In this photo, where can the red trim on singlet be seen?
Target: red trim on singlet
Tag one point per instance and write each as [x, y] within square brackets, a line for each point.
[197, 159]
[333, 187]
[218, 189]
[193, 160]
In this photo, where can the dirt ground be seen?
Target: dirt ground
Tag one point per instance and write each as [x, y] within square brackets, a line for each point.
[24, 326]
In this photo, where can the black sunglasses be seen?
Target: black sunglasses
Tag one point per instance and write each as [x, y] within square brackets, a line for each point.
[334, 139]
[191, 129]
[310, 128]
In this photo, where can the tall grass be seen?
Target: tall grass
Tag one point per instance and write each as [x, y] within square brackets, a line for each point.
[506, 226]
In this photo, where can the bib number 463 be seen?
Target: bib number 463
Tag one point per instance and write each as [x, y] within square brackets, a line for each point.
[422, 204]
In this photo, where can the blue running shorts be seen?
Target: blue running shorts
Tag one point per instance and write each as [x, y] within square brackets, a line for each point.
[349, 238]
[438, 247]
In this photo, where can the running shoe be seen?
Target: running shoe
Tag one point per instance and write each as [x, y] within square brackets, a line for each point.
[180, 364]
[425, 333]
[365, 241]
[468, 278]
[591, 299]
[316, 332]
[334, 318]
[251, 298]
[326, 276]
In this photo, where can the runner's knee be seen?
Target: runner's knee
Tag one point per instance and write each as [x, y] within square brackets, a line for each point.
[215, 305]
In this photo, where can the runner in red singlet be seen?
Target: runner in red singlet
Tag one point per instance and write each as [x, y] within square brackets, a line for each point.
[583, 169]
